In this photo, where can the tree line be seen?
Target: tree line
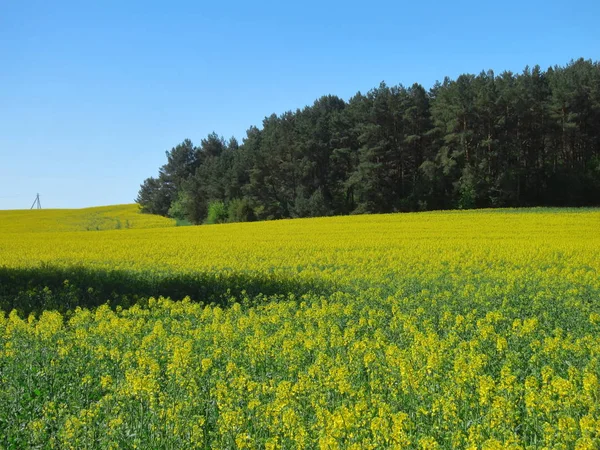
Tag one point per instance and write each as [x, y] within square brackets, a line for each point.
[508, 140]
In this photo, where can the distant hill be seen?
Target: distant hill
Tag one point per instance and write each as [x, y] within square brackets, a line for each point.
[86, 219]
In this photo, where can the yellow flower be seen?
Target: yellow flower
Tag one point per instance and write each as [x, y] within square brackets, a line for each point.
[428, 443]
[106, 381]
[206, 364]
[486, 387]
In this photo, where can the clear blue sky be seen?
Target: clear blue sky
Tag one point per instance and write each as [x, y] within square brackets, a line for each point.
[93, 93]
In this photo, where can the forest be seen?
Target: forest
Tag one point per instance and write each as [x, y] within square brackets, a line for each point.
[479, 141]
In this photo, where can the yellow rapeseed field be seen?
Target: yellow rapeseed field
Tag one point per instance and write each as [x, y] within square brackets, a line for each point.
[86, 219]
[475, 329]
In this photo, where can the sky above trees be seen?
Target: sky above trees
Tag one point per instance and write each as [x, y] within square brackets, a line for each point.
[485, 141]
[91, 96]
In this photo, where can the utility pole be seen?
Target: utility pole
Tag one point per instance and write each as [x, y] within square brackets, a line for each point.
[36, 203]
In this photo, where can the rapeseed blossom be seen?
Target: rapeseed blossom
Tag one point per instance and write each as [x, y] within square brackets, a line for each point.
[475, 330]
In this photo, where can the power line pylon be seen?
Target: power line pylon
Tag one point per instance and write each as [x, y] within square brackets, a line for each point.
[36, 203]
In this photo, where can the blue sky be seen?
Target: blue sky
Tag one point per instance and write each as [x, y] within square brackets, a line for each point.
[92, 94]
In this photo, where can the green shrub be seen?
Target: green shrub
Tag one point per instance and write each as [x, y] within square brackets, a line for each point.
[179, 208]
[240, 210]
[217, 213]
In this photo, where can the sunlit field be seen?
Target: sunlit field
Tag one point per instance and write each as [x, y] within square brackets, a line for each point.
[473, 329]
[86, 219]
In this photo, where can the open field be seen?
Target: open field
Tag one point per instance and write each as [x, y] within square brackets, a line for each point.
[86, 219]
[428, 330]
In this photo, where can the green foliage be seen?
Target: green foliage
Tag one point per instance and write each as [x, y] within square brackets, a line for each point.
[468, 193]
[154, 197]
[52, 287]
[311, 206]
[240, 210]
[486, 140]
[217, 213]
[182, 223]
[179, 209]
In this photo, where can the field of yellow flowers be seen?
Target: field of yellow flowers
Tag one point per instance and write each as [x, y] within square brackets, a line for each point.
[86, 219]
[475, 329]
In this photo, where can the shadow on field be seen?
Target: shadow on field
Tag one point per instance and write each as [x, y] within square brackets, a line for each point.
[47, 287]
